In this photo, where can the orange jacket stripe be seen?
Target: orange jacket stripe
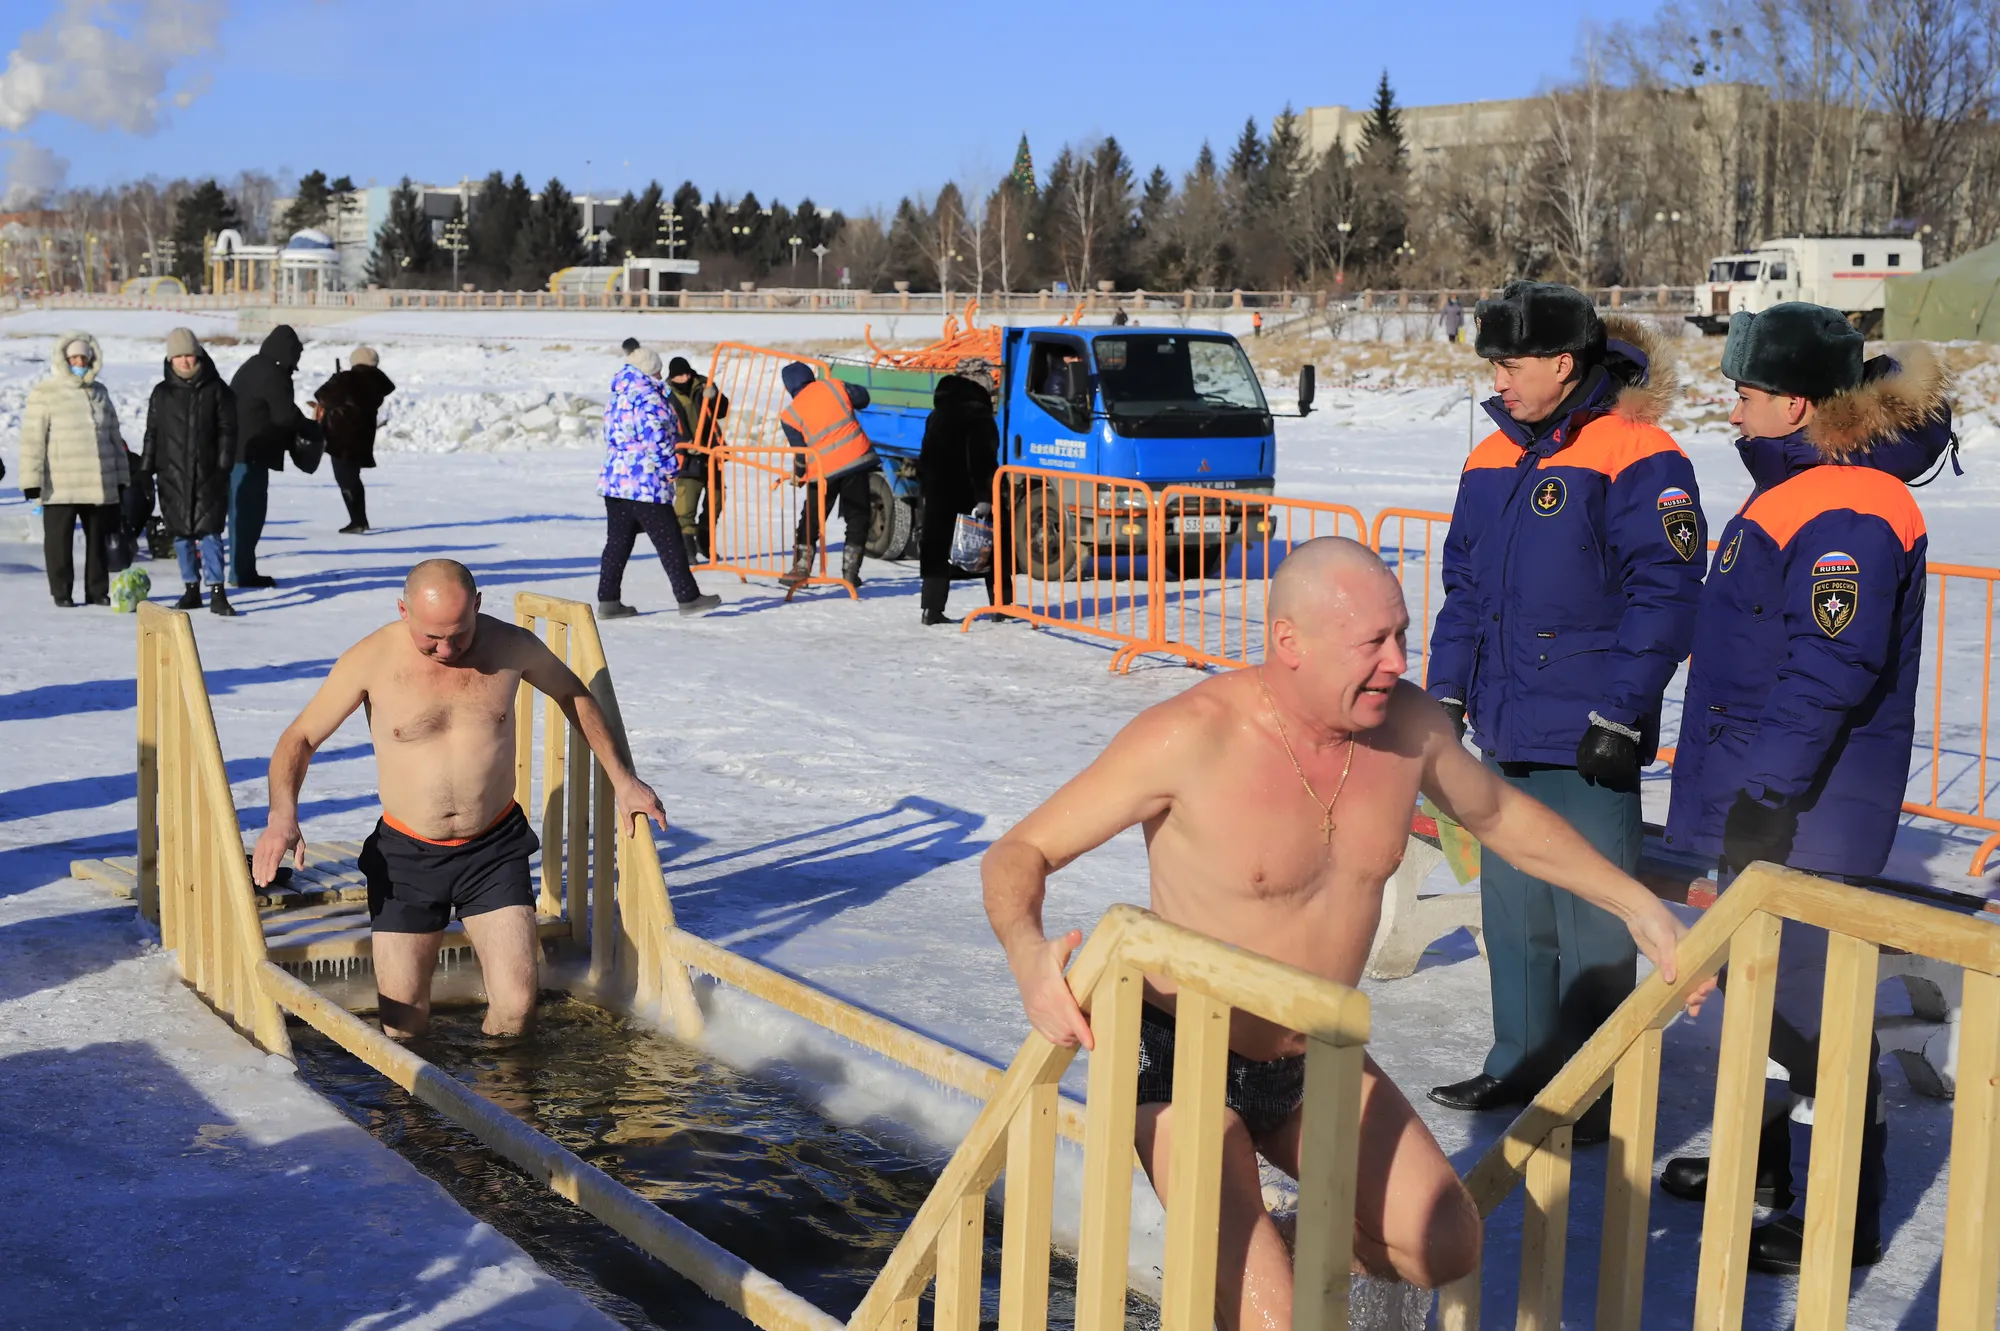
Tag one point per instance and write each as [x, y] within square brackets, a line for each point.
[825, 419]
[1607, 445]
[1784, 508]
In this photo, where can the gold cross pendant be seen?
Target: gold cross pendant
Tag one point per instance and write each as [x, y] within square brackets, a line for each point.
[1326, 827]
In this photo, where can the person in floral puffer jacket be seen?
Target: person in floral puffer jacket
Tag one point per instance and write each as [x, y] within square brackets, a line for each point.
[640, 433]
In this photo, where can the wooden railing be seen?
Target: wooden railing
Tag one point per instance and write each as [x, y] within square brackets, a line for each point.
[1743, 928]
[1016, 1132]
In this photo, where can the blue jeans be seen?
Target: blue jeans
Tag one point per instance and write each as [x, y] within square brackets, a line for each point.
[211, 559]
[249, 500]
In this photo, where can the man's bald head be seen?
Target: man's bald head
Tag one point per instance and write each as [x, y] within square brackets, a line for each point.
[439, 575]
[1321, 575]
[441, 606]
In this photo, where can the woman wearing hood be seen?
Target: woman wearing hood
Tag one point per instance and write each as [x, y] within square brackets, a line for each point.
[190, 451]
[641, 430]
[73, 462]
[1801, 693]
[961, 451]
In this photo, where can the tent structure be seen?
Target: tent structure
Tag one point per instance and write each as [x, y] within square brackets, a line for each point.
[1958, 301]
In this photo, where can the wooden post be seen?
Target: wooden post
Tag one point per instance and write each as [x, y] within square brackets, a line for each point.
[555, 733]
[1545, 1235]
[603, 875]
[1635, 1112]
[577, 844]
[1739, 1111]
[147, 869]
[1030, 1203]
[1458, 1304]
[1840, 1112]
[1194, 1203]
[961, 1248]
[1326, 1185]
[1104, 1251]
[1970, 1282]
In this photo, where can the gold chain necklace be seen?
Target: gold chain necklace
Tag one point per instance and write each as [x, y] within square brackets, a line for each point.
[1326, 806]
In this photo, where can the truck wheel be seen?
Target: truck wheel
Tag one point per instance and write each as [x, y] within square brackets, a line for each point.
[889, 522]
[1181, 562]
[1039, 548]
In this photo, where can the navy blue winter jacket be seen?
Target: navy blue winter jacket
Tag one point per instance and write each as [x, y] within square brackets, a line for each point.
[1572, 567]
[1802, 690]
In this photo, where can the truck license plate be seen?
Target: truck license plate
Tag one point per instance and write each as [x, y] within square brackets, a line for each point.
[1206, 525]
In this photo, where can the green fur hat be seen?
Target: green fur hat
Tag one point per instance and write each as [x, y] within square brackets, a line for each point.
[1538, 319]
[1797, 349]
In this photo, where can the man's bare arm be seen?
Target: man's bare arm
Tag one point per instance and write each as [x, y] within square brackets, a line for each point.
[1129, 783]
[345, 689]
[543, 669]
[1536, 840]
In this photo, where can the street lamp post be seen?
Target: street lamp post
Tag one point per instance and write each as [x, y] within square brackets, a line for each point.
[1340, 267]
[819, 259]
[795, 242]
[454, 241]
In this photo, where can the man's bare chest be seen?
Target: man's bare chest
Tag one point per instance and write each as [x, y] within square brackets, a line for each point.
[429, 703]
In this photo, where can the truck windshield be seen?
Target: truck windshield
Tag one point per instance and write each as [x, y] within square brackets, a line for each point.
[1734, 270]
[1175, 384]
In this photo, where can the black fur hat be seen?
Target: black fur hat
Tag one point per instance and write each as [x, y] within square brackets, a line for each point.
[1798, 349]
[1538, 319]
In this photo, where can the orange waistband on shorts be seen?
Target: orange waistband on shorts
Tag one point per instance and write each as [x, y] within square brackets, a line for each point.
[404, 828]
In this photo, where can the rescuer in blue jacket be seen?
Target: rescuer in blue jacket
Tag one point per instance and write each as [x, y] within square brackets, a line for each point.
[1571, 574]
[1801, 695]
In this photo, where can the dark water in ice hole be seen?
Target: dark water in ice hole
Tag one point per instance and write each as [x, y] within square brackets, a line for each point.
[816, 1206]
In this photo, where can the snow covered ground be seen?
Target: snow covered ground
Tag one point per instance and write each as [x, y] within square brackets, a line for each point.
[833, 770]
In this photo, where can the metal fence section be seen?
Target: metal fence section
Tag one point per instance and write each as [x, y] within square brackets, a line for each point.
[1950, 778]
[1411, 543]
[1211, 554]
[754, 503]
[1066, 552]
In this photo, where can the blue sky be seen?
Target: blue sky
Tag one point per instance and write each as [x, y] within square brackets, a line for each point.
[852, 105]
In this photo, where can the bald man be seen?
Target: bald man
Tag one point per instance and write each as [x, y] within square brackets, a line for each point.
[1276, 802]
[439, 688]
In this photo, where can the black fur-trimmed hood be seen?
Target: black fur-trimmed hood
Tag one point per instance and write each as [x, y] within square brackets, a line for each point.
[1642, 360]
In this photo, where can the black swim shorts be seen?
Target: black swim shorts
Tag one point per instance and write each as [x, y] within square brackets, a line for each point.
[414, 884]
[1264, 1093]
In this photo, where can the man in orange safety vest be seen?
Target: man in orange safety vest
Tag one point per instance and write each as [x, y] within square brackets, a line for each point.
[821, 420]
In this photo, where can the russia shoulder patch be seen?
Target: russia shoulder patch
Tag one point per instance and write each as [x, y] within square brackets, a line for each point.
[1683, 525]
[1836, 590]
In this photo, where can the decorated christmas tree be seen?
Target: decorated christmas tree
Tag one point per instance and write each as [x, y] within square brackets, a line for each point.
[1024, 167]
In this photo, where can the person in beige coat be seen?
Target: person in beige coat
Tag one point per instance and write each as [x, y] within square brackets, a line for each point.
[73, 463]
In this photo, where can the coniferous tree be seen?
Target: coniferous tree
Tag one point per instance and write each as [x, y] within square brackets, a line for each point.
[198, 218]
[1023, 174]
[499, 211]
[1381, 224]
[549, 239]
[1382, 132]
[312, 205]
[636, 226]
[405, 253]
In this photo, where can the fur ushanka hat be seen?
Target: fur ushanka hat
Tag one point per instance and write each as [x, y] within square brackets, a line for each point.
[1538, 319]
[1797, 349]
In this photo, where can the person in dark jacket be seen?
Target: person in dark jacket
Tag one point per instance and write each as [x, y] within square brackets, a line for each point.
[700, 408]
[269, 423]
[1571, 572]
[190, 455]
[961, 451]
[839, 456]
[1801, 695]
[348, 403]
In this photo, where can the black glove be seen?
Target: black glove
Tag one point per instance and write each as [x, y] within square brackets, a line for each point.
[1455, 709]
[1755, 831]
[1605, 757]
[32, 493]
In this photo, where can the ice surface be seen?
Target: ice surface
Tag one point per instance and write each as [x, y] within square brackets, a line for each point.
[832, 769]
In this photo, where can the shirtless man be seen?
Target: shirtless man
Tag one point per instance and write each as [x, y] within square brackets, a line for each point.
[1261, 834]
[439, 688]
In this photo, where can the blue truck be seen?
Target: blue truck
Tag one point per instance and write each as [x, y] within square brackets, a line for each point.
[1166, 406]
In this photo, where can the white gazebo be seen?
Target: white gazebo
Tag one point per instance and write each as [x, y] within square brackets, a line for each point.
[309, 264]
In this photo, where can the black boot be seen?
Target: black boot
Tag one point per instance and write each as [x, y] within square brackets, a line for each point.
[190, 599]
[357, 511]
[218, 604]
[692, 547]
[1686, 1177]
[850, 563]
[935, 593]
[802, 557]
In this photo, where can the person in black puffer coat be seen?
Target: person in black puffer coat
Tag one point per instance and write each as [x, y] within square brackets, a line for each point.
[190, 453]
[961, 451]
[270, 425]
[348, 404]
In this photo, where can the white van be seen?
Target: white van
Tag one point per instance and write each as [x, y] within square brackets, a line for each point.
[1843, 272]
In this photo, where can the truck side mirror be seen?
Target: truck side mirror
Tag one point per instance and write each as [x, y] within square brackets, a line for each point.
[1075, 384]
[1308, 387]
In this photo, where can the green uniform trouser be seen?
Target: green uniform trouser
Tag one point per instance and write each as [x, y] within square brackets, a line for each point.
[687, 501]
[1559, 965]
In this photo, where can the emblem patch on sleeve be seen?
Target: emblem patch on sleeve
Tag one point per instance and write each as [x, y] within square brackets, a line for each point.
[1835, 591]
[1550, 494]
[1728, 560]
[1678, 516]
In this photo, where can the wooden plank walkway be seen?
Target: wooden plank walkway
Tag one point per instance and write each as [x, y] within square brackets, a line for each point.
[315, 914]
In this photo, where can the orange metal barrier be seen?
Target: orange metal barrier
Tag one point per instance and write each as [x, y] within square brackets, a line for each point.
[754, 507]
[1063, 552]
[1958, 753]
[1411, 543]
[1210, 556]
